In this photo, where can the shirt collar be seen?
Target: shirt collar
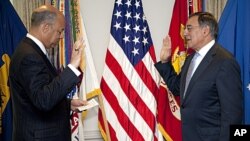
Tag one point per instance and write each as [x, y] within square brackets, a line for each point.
[39, 43]
[203, 51]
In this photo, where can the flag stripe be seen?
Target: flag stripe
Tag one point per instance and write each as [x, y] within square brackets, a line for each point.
[121, 115]
[133, 99]
[148, 74]
[113, 134]
[130, 75]
[133, 96]
[115, 123]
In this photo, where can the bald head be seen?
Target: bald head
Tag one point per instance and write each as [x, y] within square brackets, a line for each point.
[47, 25]
[44, 13]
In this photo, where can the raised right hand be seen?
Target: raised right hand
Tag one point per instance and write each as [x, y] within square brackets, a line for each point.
[166, 49]
[77, 51]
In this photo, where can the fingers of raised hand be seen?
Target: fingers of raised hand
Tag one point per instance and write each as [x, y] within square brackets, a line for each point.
[79, 44]
[167, 42]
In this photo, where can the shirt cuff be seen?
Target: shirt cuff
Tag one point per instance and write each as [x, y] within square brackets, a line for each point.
[75, 70]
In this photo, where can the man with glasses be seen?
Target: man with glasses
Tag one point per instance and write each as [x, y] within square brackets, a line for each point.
[209, 84]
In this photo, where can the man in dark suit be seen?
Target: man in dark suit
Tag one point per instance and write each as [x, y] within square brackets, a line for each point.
[41, 111]
[209, 84]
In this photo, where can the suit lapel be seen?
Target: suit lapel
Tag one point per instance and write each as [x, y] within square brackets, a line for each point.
[39, 51]
[199, 71]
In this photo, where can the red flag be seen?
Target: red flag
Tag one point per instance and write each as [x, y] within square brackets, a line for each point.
[130, 82]
[169, 115]
[168, 104]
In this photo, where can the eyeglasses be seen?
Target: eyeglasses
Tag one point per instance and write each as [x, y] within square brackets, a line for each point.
[190, 27]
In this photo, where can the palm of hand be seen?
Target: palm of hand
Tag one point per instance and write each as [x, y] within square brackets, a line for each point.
[166, 50]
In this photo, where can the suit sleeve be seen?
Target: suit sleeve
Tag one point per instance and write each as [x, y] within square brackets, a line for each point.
[44, 89]
[229, 88]
[170, 77]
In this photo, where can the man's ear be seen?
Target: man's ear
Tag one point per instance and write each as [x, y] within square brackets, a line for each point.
[206, 31]
[45, 27]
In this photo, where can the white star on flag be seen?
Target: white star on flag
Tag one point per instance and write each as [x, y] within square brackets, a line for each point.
[135, 51]
[248, 86]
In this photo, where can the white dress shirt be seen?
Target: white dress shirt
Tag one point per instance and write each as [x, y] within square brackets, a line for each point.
[202, 52]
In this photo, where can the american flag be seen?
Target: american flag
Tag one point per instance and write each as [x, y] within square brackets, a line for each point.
[130, 82]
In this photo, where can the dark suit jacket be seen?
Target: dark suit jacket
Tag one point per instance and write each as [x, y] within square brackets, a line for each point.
[41, 111]
[213, 99]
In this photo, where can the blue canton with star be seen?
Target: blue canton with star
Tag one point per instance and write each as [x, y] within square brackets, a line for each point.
[130, 29]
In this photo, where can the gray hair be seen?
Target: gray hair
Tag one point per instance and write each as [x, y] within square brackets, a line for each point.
[39, 17]
[207, 19]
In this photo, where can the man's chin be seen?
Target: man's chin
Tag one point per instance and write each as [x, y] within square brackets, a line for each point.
[188, 42]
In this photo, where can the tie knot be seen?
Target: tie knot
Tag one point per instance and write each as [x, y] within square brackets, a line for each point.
[196, 55]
